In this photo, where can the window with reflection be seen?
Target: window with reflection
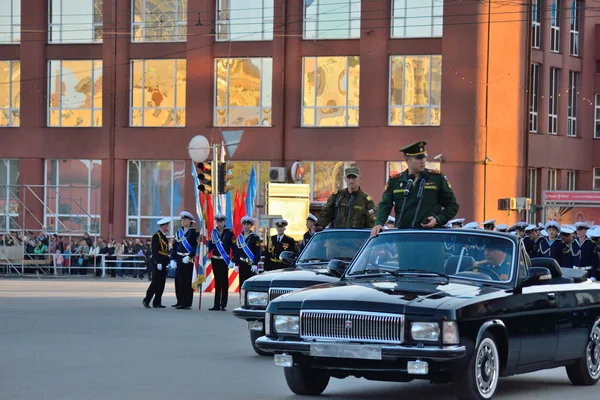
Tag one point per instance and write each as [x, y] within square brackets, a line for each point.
[159, 21]
[241, 176]
[243, 91]
[9, 195]
[417, 18]
[155, 190]
[397, 167]
[10, 93]
[330, 91]
[72, 196]
[415, 90]
[324, 178]
[75, 21]
[158, 93]
[244, 20]
[331, 19]
[10, 21]
[75, 93]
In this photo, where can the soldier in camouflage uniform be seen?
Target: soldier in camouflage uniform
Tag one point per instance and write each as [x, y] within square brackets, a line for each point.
[350, 207]
[438, 205]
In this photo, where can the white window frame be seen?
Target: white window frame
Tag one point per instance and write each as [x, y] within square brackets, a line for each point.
[552, 174]
[536, 24]
[572, 180]
[86, 217]
[51, 82]
[59, 26]
[436, 20]
[139, 218]
[314, 106]
[555, 26]
[266, 30]
[347, 164]
[178, 25]
[596, 177]
[532, 182]
[10, 109]
[572, 104]
[9, 189]
[553, 101]
[575, 21]
[597, 117]
[352, 4]
[15, 23]
[534, 98]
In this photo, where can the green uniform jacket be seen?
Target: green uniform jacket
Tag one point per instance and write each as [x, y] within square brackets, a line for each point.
[345, 210]
[437, 194]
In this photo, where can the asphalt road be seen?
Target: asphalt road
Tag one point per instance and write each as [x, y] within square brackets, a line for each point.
[94, 340]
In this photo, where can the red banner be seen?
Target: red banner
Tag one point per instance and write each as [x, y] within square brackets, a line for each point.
[564, 196]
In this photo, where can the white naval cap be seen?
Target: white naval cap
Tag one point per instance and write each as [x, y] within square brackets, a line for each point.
[566, 231]
[471, 225]
[391, 219]
[489, 222]
[220, 216]
[530, 228]
[582, 225]
[246, 218]
[501, 227]
[164, 221]
[312, 217]
[456, 221]
[544, 233]
[280, 221]
[185, 214]
[541, 226]
[594, 233]
[553, 224]
[519, 226]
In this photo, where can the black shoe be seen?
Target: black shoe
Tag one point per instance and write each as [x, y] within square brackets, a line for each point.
[183, 308]
[214, 309]
[175, 305]
[223, 309]
[146, 303]
[159, 306]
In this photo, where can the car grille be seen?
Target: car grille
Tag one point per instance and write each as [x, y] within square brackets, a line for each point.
[352, 326]
[276, 292]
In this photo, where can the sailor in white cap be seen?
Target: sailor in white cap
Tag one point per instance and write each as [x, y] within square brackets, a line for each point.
[246, 252]
[182, 258]
[551, 246]
[565, 255]
[489, 225]
[220, 244]
[519, 227]
[456, 223]
[311, 222]
[161, 259]
[471, 225]
[531, 241]
[501, 228]
[390, 223]
[278, 244]
[585, 252]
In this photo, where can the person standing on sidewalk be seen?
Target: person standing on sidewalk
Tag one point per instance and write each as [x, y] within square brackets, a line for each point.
[220, 243]
[182, 258]
[160, 257]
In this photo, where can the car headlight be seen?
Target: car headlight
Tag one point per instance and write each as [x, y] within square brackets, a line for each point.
[267, 324]
[257, 298]
[429, 331]
[450, 332]
[286, 324]
[242, 298]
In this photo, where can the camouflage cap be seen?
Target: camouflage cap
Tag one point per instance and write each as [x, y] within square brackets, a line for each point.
[352, 171]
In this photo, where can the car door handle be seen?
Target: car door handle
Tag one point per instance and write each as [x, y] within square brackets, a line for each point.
[551, 296]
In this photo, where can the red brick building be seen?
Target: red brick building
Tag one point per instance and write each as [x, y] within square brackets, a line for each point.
[98, 104]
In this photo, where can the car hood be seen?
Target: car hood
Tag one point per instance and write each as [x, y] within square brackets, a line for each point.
[290, 278]
[418, 296]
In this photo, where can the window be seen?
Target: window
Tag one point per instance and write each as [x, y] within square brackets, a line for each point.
[72, 196]
[536, 22]
[324, 178]
[9, 195]
[532, 194]
[555, 26]
[155, 190]
[571, 180]
[10, 93]
[574, 33]
[158, 93]
[553, 101]
[244, 20]
[75, 89]
[331, 19]
[597, 118]
[10, 21]
[551, 179]
[243, 91]
[572, 104]
[533, 100]
[159, 21]
[415, 90]
[330, 91]
[596, 178]
[417, 18]
[397, 167]
[75, 21]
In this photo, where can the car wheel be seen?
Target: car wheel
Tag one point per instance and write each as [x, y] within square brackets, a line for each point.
[480, 379]
[586, 371]
[305, 380]
[253, 336]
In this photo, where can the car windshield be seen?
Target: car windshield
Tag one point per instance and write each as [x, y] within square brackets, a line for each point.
[325, 246]
[462, 255]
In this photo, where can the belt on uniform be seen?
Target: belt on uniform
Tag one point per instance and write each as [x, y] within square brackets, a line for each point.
[275, 260]
[163, 254]
[183, 254]
[217, 257]
[246, 260]
[588, 267]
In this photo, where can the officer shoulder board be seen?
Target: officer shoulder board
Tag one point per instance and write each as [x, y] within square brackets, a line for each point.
[434, 172]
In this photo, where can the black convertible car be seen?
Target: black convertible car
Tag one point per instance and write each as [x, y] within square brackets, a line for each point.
[310, 268]
[406, 308]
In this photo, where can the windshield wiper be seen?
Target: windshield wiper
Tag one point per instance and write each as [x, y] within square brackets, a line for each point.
[420, 271]
[305, 260]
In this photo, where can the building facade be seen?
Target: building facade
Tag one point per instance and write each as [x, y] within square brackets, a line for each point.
[99, 103]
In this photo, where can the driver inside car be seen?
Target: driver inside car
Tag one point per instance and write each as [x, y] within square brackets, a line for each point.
[496, 260]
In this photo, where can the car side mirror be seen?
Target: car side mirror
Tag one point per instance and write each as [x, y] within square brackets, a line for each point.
[537, 276]
[336, 268]
[287, 257]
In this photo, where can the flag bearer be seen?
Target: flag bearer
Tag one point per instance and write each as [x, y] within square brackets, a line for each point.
[182, 258]
[220, 243]
[160, 258]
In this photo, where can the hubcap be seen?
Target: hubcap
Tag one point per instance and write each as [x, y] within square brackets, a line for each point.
[593, 354]
[486, 368]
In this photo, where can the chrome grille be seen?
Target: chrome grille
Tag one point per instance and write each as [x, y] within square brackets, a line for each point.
[352, 326]
[276, 292]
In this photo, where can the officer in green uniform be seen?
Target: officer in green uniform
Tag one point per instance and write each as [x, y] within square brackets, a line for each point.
[438, 203]
[350, 207]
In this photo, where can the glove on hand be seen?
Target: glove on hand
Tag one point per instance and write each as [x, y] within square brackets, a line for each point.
[254, 269]
[159, 267]
[186, 260]
[231, 265]
[173, 264]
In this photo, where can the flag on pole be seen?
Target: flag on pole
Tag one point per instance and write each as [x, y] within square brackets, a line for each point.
[198, 276]
[251, 193]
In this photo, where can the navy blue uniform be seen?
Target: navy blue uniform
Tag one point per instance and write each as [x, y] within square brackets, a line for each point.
[276, 247]
[565, 255]
[552, 250]
[183, 274]
[241, 258]
[585, 254]
[307, 236]
[220, 266]
[160, 255]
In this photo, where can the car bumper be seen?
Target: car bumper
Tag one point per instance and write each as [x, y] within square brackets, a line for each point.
[249, 314]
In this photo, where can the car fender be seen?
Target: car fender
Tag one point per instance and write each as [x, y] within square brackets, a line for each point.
[597, 323]
[504, 348]
[487, 325]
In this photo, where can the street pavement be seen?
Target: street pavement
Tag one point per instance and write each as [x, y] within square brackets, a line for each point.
[92, 339]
